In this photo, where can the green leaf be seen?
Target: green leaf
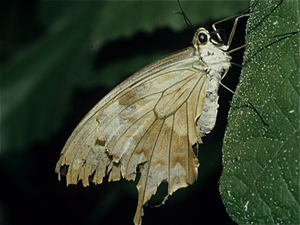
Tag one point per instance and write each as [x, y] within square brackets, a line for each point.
[260, 181]
[38, 83]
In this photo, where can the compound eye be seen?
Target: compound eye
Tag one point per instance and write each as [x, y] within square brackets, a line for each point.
[202, 38]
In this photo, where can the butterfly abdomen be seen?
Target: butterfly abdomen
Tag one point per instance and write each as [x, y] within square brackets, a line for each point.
[207, 120]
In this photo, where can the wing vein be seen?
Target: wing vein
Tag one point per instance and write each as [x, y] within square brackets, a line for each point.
[170, 145]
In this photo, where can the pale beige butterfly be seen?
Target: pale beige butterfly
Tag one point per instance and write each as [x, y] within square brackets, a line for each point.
[152, 121]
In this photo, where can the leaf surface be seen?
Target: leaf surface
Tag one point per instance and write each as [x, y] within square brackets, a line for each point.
[260, 181]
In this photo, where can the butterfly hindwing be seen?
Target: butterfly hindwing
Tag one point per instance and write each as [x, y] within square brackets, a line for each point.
[147, 122]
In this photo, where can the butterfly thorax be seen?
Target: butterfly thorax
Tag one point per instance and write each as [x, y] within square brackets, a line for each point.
[215, 62]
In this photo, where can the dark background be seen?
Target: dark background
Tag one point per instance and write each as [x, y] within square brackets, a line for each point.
[30, 191]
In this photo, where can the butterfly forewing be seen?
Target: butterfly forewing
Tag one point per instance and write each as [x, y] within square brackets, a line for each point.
[150, 123]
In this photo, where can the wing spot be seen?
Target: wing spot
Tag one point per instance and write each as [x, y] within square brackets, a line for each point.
[100, 142]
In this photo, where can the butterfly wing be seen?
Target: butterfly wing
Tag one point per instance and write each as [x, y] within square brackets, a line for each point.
[148, 122]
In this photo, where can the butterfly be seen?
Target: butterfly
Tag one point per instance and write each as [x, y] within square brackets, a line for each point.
[152, 123]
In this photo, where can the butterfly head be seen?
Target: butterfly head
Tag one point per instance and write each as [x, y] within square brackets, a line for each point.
[204, 38]
[211, 50]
